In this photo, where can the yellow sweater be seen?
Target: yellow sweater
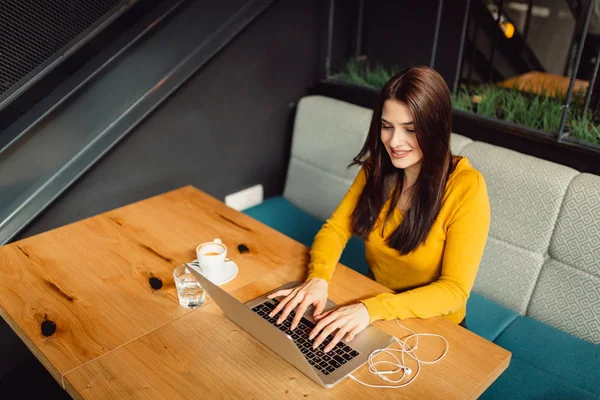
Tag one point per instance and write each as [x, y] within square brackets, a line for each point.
[434, 279]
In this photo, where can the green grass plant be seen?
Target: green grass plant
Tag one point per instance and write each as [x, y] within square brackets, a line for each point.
[361, 73]
[491, 100]
[541, 111]
[584, 128]
[462, 101]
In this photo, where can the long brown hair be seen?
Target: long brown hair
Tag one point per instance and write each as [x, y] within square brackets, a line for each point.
[426, 95]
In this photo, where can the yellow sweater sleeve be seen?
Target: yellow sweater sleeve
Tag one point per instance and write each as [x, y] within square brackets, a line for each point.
[330, 241]
[467, 232]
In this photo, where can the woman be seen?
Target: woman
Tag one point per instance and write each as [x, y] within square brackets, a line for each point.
[423, 213]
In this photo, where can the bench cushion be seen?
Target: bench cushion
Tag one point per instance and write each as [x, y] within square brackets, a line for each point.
[526, 194]
[486, 318]
[282, 215]
[567, 294]
[458, 143]
[521, 381]
[557, 358]
[328, 134]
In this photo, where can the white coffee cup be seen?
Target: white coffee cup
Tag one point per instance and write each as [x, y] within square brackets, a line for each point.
[211, 258]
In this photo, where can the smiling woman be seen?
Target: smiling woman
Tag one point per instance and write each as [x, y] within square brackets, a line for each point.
[423, 213]
[407, 154]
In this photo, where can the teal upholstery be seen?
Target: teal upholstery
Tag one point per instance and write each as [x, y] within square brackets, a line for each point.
[553, 352]
[521, 381]
[280, 214]
[486, 318]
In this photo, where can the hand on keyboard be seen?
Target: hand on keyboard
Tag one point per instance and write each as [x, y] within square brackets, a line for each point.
[311, 292]
[348, 321]
[327, 364]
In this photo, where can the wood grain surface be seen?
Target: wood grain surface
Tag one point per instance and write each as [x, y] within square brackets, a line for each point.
[77, 292]
[205, 355]
[81, 298]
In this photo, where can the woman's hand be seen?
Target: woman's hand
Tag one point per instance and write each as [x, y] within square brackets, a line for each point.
[348, 320]
[311, 292]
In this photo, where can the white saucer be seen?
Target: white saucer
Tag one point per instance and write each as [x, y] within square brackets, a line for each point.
[230, 271]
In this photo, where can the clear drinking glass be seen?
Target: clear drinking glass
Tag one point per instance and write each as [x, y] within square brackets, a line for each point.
[189, 291]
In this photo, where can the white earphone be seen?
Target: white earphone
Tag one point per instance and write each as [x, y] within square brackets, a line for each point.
[399, 364]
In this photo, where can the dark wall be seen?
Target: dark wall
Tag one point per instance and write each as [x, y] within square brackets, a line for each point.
[399, 34]
[227, 128]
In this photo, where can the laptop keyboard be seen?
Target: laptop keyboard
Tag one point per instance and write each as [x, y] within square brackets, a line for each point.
[324, 362]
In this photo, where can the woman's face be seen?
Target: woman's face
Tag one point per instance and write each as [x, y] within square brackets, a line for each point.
[398, 135]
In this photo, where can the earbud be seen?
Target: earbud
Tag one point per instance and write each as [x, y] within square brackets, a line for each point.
[399, 362]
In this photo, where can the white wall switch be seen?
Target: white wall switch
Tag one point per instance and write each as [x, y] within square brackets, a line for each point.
[245, 198]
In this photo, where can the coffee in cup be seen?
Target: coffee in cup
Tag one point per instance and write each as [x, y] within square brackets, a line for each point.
[211, 258]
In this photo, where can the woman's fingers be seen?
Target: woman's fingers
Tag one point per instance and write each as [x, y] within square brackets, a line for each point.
[321, 316]
[299, 296]
[323, 322]
[300, 312]
[345, 328]
[352, 332]
[332, 326]
[348, 320]
[283, 302]
[319, 307]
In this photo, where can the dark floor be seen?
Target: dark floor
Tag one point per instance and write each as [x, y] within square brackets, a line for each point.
[31, 381]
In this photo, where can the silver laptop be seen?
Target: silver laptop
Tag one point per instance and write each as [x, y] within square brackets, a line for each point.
[326, 369]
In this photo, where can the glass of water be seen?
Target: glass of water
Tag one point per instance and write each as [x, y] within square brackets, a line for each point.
[189, 291]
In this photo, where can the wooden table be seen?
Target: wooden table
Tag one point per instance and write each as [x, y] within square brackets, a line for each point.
[96, 303]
